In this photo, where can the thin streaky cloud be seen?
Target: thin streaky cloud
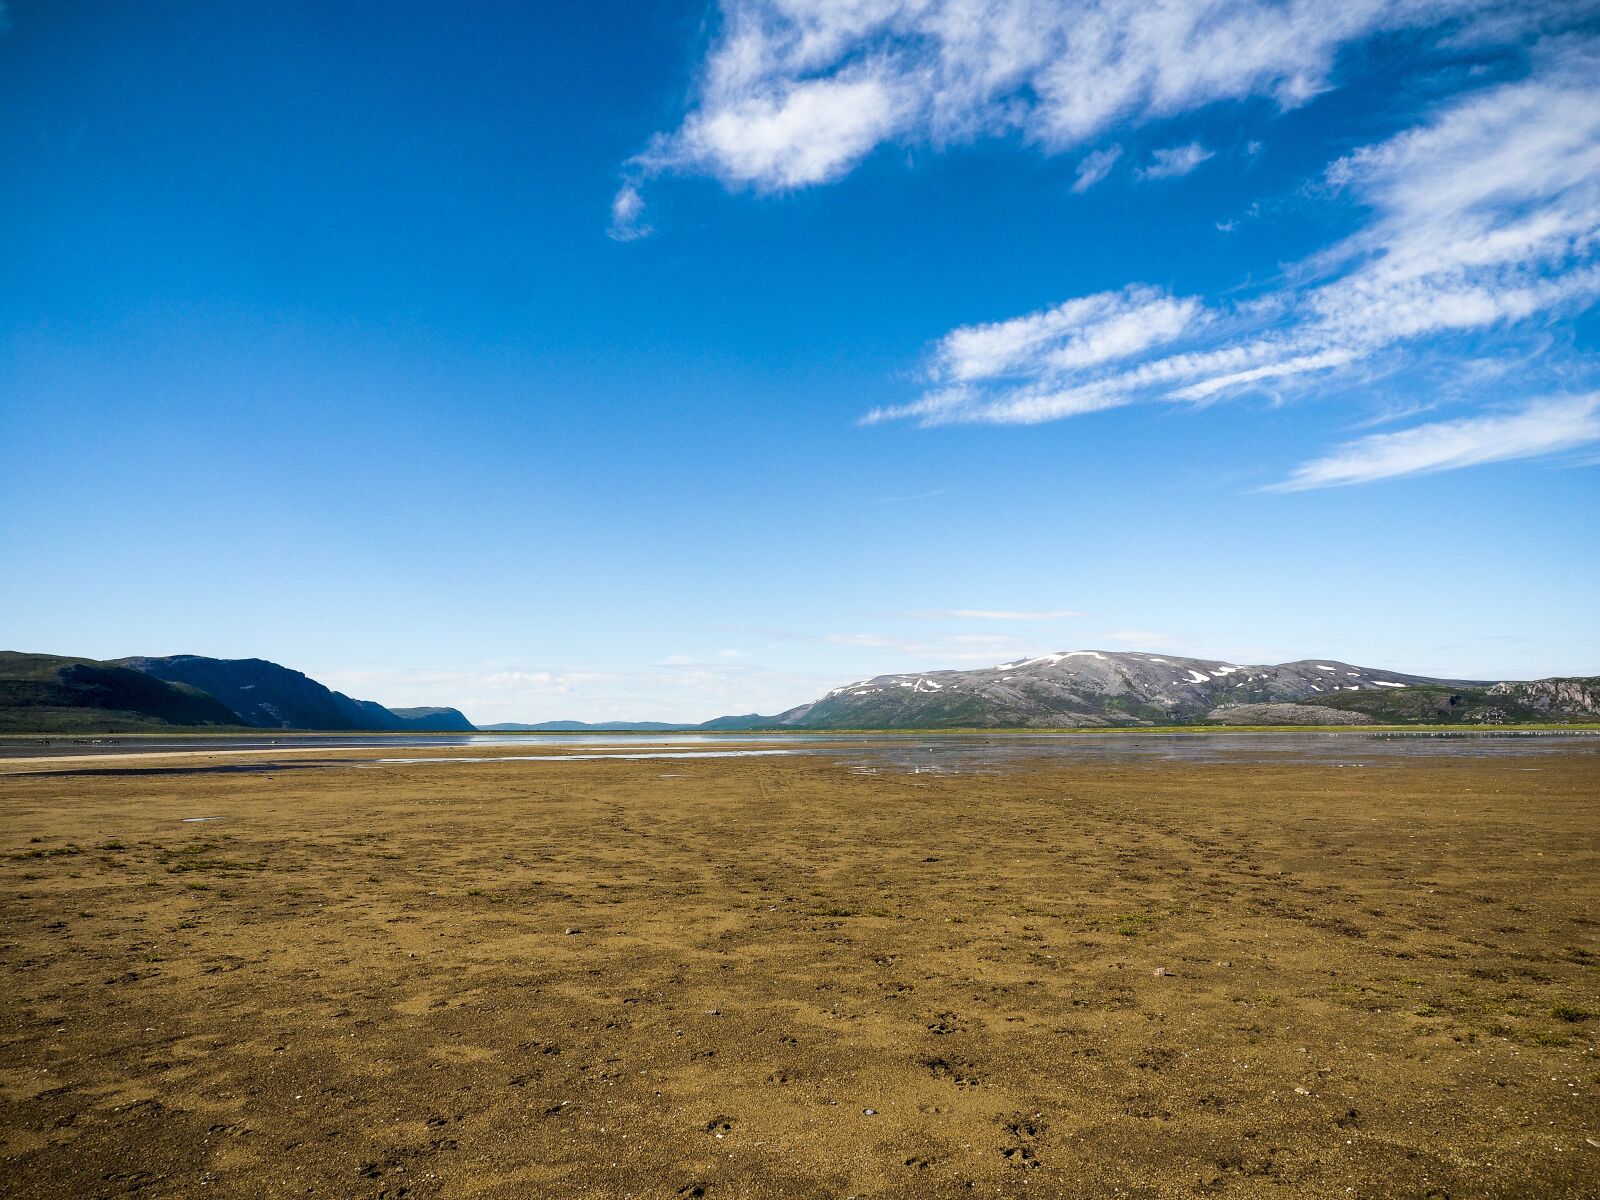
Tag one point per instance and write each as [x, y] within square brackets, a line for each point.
[914, 496]
[1539, 429]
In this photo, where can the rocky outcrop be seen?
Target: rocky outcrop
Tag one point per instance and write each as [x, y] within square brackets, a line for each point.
[1284, 714]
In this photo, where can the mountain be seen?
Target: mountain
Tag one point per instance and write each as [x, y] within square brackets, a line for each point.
[1106, 688]
[437, 720]
[269, 696]
[1072, 689]
[1087, 688]
[48, 692]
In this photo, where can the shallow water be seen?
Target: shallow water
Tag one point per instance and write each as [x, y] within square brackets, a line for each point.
[940, 753]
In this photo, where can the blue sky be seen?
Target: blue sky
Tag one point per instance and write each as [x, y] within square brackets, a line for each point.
[662, 361]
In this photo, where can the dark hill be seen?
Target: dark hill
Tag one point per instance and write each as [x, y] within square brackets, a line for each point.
[48, 693]
[269, 696]
[51, 693]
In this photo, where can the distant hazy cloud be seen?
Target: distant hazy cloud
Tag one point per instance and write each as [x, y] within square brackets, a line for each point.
[797, 92]
[1143, 639]
[677, 689]
[994, 614]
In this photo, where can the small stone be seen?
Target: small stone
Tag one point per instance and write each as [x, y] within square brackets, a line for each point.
[573, 929]
[1300, 1091]
[870, 1112]
[713, 1012]
[1161, 972]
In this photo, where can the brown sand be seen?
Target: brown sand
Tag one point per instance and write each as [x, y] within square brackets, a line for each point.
[534, 979]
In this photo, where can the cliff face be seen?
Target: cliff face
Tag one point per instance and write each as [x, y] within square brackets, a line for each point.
[1575, 697]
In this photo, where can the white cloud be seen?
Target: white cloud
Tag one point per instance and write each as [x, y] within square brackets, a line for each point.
[797, 92]
[809, 132]
[1541, 428]
[1095, 167]
[1483, 219]
[1175, 160]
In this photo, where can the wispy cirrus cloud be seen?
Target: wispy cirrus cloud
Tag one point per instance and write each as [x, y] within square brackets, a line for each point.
[1095, 167]
[1541, 428]
[794, 93]
[1484, 221]
[627, 215]
[1172, 161]
[1047, 364]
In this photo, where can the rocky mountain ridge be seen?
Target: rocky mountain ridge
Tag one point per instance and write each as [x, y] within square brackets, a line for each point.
[1088, 688]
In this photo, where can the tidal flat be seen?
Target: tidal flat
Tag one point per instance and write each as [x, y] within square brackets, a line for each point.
[794, 976]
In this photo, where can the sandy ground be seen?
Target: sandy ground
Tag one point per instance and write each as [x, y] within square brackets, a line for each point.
[777, 977]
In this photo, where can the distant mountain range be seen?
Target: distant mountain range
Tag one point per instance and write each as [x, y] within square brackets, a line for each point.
[746, 722]
[1072, 689]
[49, 693]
